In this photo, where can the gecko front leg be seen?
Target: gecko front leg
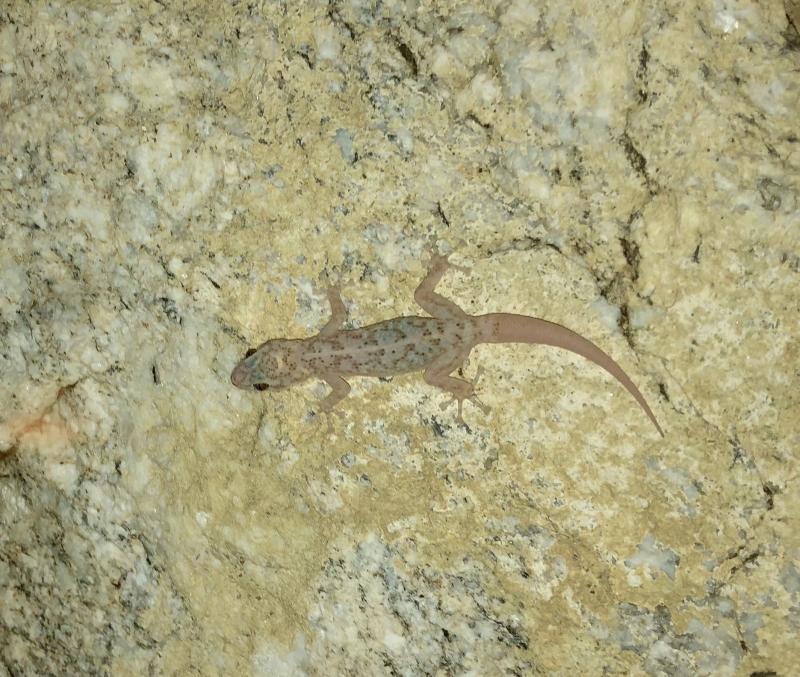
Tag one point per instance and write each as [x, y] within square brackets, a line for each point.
[339, 390]
[339, 387]
[338, 311]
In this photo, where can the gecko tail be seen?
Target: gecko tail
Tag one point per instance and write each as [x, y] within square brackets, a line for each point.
[510, 328]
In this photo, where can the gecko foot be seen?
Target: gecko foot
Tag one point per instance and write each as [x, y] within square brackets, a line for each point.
[467, 393]
[328, 415]
[441, 262]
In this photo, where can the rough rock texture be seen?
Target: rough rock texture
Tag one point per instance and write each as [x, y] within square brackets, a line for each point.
[174, 179]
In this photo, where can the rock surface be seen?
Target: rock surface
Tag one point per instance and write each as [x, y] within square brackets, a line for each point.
[174, 179]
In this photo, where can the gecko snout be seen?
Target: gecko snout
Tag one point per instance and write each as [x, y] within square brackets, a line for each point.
[245, 373]
[242, 378]
[239, 375]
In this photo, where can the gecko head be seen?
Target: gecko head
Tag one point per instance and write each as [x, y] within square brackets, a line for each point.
[274, 364]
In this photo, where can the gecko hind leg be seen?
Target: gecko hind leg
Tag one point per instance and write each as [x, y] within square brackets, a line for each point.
[425, 294]
[459, 388]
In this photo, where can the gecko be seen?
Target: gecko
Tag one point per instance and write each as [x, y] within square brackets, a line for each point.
[436, 345]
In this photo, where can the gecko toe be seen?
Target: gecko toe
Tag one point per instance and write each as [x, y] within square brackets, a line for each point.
[328, 415]
[485, 408]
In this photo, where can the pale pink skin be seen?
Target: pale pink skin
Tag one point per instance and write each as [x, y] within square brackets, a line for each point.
[436, 345]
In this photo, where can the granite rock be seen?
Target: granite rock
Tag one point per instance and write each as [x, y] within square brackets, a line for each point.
[178, 180]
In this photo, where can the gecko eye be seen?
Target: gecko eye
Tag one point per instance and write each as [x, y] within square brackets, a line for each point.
[260, 386]
[249, 352]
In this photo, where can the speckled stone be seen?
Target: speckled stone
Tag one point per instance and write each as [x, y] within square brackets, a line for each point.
[177, 180]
